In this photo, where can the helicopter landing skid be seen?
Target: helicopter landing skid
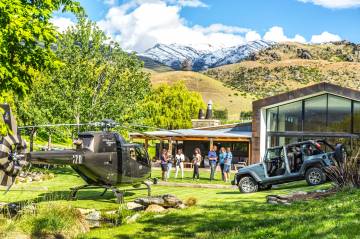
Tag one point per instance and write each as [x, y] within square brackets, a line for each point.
[118, 193]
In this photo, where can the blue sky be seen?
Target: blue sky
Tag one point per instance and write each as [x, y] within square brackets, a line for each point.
[139, 24]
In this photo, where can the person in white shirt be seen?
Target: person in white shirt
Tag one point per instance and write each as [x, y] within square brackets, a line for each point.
[179, 163]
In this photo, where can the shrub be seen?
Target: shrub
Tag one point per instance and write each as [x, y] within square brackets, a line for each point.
[53, 220]
[191, 201]
[345, 173]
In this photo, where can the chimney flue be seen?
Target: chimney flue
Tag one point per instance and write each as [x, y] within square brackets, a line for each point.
[209, 110]
[201, 114]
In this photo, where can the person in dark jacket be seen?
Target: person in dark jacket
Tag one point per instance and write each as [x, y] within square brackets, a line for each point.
[164, 160]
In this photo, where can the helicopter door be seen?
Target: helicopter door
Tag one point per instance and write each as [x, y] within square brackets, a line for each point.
[107, 153]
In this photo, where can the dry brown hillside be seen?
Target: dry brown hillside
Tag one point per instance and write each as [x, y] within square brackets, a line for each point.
[291, 65]
[222, 96]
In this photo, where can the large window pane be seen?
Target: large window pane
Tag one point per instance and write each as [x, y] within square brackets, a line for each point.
[339, 114]
[356, 117]
[271, 124]
[290, 116]
[315, 114]
[283, 140]
[272, 141]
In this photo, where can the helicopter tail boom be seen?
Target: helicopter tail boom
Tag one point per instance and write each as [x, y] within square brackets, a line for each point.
[62, 157]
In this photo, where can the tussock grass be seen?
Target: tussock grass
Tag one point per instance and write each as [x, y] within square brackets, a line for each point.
[52, 220]
[191, 201]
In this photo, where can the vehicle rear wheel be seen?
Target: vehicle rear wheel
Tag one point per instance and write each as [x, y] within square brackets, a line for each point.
[248, 185]
[315, 176]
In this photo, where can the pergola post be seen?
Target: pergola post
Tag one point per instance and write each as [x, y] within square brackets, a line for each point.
[211, 143]
[170, 146]
[146, 145]
[161, 145]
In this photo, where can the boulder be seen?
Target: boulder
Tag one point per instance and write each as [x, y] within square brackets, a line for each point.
[182, 206]
[37, 178]
[304, 54]
[90, 214]
[167, 200]
[133, 218]
[134, 206]
[299, 193]
[155, 208]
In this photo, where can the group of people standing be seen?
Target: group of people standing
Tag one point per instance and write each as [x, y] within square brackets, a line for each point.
[167, 162]
[223, 159]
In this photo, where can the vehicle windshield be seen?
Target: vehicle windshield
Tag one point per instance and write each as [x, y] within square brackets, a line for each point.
[274, 154]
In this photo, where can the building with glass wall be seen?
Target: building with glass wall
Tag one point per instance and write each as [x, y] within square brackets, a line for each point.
[319, 111]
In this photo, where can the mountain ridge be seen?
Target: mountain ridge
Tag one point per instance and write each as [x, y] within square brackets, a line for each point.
[182, 57]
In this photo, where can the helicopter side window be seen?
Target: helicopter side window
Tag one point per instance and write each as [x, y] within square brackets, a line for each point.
[107, 144]
[88, 143]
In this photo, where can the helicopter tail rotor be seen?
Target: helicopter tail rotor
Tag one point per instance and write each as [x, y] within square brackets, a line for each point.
[12, 150]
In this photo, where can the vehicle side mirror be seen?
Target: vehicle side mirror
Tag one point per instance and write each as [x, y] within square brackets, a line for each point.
[340, 153]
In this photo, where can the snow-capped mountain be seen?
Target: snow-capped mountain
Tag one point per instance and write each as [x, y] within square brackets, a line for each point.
[179, 57]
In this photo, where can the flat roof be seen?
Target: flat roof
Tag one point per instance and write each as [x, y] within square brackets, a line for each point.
[308, 91]
[196, 134]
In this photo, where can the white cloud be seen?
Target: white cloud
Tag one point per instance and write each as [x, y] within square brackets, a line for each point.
[141, 27]
[62, 23]
[140, 24]
[191, 3]
[110, 2]
[334, 3]
[325, 37]
[221, 28]
[252, 36]
[276, 34]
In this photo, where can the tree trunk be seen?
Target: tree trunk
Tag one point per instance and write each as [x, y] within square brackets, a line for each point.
[32, 135]
[49, 141]
[77, 118]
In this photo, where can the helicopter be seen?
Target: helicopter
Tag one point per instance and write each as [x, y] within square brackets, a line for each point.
[103, 159]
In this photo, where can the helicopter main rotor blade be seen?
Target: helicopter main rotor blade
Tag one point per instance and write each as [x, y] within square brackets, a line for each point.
[53, 125]
[152, 127]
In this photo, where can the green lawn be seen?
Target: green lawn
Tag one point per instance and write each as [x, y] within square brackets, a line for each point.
[220, 213]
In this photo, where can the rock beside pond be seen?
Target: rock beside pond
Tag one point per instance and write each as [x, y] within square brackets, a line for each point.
[26, 177]
[298, 196]
[90, 214]
[155, 208]
[134, 206]
[133, 218]
[167, 200]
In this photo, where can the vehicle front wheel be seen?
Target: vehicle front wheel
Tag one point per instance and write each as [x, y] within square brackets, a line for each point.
[315, 176]
[248, 185]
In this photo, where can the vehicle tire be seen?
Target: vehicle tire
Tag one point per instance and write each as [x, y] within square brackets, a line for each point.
[248, 185]
[315, 176]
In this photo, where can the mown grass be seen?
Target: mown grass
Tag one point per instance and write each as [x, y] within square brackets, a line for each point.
[219, 213]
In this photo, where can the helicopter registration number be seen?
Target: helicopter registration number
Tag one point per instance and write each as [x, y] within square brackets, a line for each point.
[77, 159]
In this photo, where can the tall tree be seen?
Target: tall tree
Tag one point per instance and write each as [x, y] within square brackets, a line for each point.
[97, 79]
[26, 40]
[171, 107]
